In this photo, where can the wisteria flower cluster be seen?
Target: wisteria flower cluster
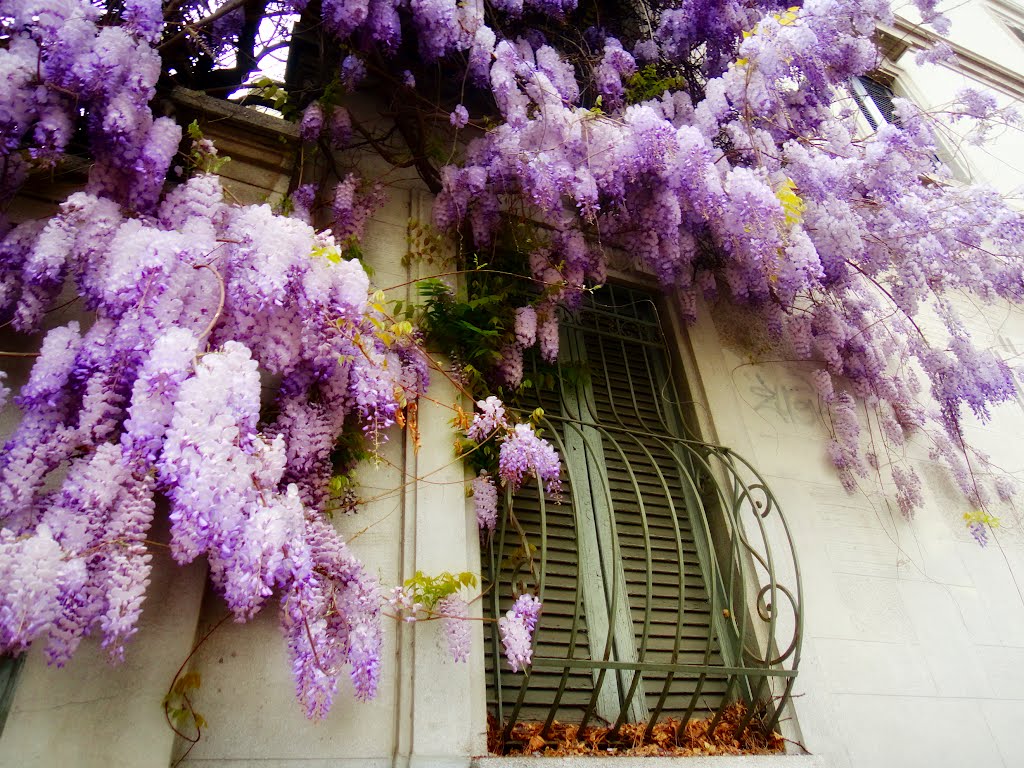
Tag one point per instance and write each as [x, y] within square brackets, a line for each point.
[456, 626]
[162, 395]
[195, 303]
[61, 60]
[517, 628]
[521, 454]
[485, 501]
[835, 244]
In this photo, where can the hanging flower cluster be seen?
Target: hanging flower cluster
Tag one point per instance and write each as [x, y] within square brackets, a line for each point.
[162, 394]
[755, 189]
[521, 454]
[195, 301]
[517, 627]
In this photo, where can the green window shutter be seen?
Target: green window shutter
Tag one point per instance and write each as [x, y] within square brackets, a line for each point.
[9, 671]
[624, 566]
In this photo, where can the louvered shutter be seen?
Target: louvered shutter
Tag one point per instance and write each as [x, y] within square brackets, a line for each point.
[624, 561]
[875, 100]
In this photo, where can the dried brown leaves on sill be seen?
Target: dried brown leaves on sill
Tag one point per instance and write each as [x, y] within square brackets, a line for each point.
[562, 740]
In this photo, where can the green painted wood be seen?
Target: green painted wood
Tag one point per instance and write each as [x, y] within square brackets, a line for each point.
[614, 557]
[10, 669]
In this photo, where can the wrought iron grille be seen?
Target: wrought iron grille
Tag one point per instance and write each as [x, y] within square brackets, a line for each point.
[661, 592]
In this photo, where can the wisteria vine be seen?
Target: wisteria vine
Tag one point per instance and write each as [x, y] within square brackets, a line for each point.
[701, 136]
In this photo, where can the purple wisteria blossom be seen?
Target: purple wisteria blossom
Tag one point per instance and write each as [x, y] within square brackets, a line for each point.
[312, 122]
[163, 395]
[517, 628]
[231, 348]
[526, 326]
[456, 626]
[459, 117]
[979, 531]
[485, 501]
[524, 454]
[489, 418]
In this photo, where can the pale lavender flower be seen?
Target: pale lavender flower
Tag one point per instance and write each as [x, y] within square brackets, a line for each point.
[403, 602]
[341, 127]
[526, 326]
[517, 627]
[517, 641]
[511, 365]
[312, 122]
[35, 573]
[485, 501]
[979, 532]
[459, 117]
[547, 336]
[353, 69]
[939, 53]
[364, 656]
[490, 417]
[1006, 487]
[456, 626]
[908, 490]
[523, 454]
[527, 609]
[975, 103]
[154, 393]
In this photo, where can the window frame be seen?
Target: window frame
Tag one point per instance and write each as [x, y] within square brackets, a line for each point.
[741, 587]
[894, 80]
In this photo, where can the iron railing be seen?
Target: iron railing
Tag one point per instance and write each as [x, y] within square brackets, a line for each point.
[667, 573]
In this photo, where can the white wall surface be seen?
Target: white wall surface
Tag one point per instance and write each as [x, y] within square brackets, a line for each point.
[978, 28]
[914, 635]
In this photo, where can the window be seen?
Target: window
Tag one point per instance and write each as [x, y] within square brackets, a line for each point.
[1010, 16]
[875, 99]
[642, 578]
[874, 96]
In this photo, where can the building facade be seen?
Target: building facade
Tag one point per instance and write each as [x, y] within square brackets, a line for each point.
[912, 636]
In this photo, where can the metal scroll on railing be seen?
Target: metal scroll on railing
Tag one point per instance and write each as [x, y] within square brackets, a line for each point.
[666, 570]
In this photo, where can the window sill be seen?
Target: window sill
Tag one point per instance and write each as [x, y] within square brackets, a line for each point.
[723, 761]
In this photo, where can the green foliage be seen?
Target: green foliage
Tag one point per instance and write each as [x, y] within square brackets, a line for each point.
[278, 97]
[475, 329]
[203, 157]
[478, 456]
[429, 590]
[648, 84]
[475, 324]
[179, 707]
